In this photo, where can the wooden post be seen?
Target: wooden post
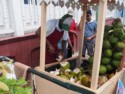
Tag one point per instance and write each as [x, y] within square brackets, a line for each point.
[99, 42]
[43, 35]
[82, 28]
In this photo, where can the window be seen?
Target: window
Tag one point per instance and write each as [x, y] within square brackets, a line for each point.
[26, 2]
[32, 1]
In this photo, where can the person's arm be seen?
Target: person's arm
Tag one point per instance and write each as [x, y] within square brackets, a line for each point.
[50, 47]
[70, 44]
[73, 29]
[65, 39]
[94, 35]
[91, 37]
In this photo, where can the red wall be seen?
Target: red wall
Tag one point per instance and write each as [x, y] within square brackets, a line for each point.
[23, 49]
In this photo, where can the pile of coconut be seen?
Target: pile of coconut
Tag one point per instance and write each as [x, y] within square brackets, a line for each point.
[78, 75]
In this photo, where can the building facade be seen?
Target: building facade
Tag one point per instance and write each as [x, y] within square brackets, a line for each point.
[18, 17]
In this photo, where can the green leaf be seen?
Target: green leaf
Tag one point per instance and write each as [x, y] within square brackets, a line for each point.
[2, 92]
[28, 89]
[21, 81]
[11, 82]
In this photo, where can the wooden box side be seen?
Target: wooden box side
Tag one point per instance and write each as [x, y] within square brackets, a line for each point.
[110, 86]
[45, 86]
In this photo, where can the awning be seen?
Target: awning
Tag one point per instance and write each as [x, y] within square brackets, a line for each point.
[119, 4]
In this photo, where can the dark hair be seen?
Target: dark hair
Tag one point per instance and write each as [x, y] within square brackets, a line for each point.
[89, 12]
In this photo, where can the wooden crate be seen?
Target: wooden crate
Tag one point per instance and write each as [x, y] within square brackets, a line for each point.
[50, 84]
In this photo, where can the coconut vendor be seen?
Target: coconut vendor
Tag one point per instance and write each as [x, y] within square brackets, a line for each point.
[72, 34]
[56, 29]
[89, 35]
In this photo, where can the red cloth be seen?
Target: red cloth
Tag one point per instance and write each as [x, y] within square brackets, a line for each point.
[72, 27]
[53, 39]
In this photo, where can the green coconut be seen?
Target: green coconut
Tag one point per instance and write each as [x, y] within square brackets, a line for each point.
[64, 77]
[105, 60]
[65, 65]
[76, 72]
[108, 53]
[68, 73]
[117, 55]
[102, 70]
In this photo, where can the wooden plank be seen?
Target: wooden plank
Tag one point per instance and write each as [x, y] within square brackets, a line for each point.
[45, 86]
[82, 28]
[68, 59]
[110, 86]
[55, 63]
[43, 35]
[99, 42]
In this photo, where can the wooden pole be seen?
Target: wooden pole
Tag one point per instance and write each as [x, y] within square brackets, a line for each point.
[82, 28]
[99, 42]
[43, 35]
[68, 59]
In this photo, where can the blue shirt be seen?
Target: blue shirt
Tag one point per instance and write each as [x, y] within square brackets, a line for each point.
[90, 29]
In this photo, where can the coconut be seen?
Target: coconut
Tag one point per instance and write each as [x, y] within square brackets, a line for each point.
[65, 77]
[68, 70]
[102, 80]
[111, 75]
[61, 71]
[81, 69]
[65, 65]
[76, 72]
[68, 73]
[76, 79]
[80, 76]
[85, 80]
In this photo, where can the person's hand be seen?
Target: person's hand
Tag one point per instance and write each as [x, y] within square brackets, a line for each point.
[72, 31]
[64, 60]
[60, 58]
[51, 49]
[89, 38]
